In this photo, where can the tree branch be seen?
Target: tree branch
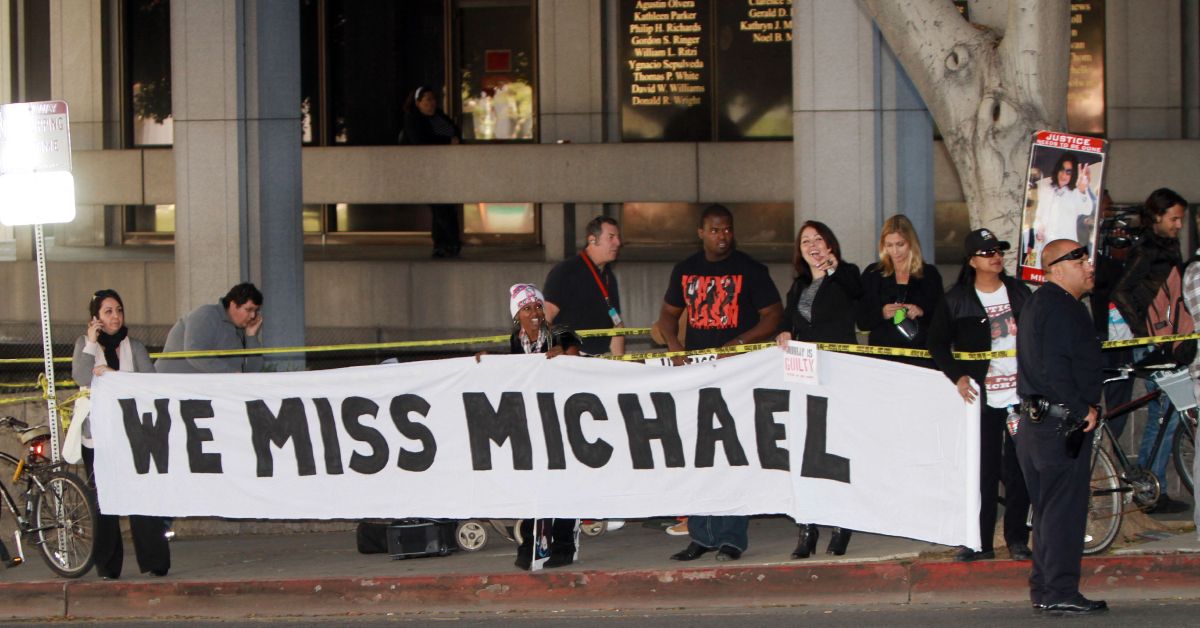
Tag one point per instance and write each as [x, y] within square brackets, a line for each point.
[936, 46]
[1037, 35]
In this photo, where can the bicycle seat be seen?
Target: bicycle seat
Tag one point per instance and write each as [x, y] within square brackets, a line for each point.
[31, 434]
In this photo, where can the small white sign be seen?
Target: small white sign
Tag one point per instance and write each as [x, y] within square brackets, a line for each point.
[800, 363]
[691, 359]
[35, 137]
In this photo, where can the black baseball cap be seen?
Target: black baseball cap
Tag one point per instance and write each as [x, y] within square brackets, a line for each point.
[984, 240]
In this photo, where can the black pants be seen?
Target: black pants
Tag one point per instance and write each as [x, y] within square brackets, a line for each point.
[562, 536]
[1118, 392]
[444, 230]
[998, 463]
[149, 543]
[1059, 489]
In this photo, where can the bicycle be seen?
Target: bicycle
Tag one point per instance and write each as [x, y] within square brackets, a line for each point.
[59, 511]
[1119, 485]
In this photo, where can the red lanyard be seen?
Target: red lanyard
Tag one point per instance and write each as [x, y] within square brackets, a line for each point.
[592, 267]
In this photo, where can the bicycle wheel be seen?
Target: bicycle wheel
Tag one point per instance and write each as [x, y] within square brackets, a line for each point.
[1104, 505]
[1184, 450]
[67, 544]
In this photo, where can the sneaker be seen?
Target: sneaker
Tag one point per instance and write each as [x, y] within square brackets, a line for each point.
[1167, 506]
[679, 529]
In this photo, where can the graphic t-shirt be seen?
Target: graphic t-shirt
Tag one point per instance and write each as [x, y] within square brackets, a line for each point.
[720, 299]
[1001, 380]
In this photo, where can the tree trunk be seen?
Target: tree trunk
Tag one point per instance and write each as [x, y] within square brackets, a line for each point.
[987, 89]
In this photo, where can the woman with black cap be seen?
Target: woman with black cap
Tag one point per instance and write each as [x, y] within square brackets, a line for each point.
[426, 124]
[980, 313]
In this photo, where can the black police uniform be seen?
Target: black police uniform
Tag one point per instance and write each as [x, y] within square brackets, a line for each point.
[1058, 358]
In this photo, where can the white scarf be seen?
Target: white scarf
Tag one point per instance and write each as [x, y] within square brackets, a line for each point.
[125, 355]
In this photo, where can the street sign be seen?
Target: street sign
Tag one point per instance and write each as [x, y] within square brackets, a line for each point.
[36, 188]
[35, 137]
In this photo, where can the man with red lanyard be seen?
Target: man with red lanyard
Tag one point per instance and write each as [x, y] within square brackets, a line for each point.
[581, 292]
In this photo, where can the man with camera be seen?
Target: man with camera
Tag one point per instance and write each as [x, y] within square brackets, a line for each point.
[1059, 377]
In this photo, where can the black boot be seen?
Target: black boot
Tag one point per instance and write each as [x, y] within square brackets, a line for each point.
[561, 555]
[524, 556]
[809, 534]
[839, 541]
[525, 549]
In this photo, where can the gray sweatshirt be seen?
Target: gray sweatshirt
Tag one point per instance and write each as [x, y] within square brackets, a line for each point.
[208, 328]
[83, 363]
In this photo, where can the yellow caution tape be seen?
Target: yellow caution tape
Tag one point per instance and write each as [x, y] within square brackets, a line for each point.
[897, 351]
[404, 344]
[654, 355]
[591, 333]
[12, 400]
[30, 360]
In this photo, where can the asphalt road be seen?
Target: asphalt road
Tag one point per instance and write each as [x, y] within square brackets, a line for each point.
[1151, 613]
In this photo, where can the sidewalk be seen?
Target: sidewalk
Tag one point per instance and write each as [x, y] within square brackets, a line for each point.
[323, 574]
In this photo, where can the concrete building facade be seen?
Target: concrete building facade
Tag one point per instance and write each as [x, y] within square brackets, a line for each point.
[862, 148]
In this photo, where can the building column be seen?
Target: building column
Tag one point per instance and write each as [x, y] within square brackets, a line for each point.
[1143, 76]
[570, 102]
[862, 140]
[77, 76]
[906, 150]
[1190, 20]
[235, 72]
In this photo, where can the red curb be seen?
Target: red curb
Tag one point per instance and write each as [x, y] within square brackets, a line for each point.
[1113, 577]
[751, 586]
[1122, 577]
[992, 580]
[32, 600]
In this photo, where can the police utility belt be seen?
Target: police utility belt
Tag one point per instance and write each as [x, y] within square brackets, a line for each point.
[1037, 408]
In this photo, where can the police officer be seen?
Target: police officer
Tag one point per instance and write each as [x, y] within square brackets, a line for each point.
[1059, 377]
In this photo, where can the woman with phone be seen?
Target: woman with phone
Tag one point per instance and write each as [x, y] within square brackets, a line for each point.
[107, 347]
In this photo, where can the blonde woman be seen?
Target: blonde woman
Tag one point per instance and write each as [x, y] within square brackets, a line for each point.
[900, 291]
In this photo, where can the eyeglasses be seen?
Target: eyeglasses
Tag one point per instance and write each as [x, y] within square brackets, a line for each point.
[990, 253]
[1075, 254]
[1067, 171]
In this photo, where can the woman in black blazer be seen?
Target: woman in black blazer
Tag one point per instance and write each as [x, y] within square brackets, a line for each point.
[821, 301]
[820, 308]
[900, 292]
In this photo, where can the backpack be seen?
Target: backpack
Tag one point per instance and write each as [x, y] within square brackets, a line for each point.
[1167, 316]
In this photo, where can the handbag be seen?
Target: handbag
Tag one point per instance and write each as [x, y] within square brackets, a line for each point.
[72, 447]
[908, 329]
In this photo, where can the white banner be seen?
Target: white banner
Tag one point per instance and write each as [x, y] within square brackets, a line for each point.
[876, 446]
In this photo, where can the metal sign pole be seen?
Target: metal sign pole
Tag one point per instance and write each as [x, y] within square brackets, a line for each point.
[47, 344]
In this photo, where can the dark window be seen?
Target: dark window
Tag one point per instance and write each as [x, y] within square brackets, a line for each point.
[701, 70]
[147, 84]
[374, 53]
[675, 224]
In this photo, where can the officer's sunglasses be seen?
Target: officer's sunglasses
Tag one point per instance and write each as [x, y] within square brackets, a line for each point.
[989, 253]
[1075, 254]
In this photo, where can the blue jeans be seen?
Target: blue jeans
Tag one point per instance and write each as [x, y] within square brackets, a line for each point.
[714, 531]
[1154, 411]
